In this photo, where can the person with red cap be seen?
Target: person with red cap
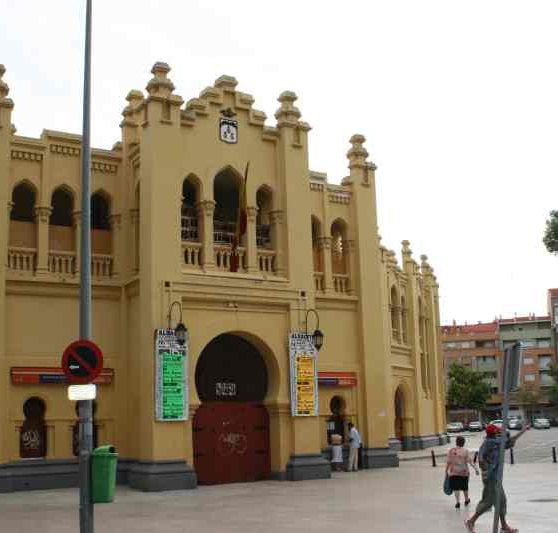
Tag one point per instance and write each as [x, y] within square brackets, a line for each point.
[489, 461]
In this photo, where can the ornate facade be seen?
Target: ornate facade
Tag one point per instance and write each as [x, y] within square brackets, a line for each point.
[164, 208]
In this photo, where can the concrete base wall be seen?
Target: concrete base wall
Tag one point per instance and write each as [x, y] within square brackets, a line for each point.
[378, 458]
[44, 474]
[38, 474]
[161, 475]
[307, 466]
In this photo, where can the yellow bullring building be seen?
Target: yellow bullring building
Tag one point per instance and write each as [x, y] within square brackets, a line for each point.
[165, 204]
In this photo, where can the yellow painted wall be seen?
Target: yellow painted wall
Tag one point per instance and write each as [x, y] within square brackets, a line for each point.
[164, 141]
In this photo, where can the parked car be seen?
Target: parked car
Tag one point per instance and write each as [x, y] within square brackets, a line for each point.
[541, 423]
[515, 423]
[475, 425]
[455, 427]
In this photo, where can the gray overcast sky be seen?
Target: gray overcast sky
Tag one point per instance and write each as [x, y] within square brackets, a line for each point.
[458, 102]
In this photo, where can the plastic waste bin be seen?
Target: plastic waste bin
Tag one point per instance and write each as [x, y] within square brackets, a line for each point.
[103, 472]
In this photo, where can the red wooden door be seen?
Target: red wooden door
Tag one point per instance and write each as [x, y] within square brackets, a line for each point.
[231, 442]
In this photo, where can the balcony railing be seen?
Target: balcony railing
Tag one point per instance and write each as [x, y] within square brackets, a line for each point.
[266, 261]
[192, 254]
[101, 265]
[224, 231]
[319, 283]
[341, 283]
[22, 259]
[223, 254]
[62, 262]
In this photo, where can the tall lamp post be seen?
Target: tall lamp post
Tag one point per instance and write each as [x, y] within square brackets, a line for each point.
[317, 336]
[180, 330]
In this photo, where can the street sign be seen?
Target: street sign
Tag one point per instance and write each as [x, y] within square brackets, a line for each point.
[82, 361]
[513, 359]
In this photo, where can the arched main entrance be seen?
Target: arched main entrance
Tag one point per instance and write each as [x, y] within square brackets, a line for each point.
[231, 426]
[403, 419]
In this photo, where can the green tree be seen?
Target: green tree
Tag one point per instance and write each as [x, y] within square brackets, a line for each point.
[550, 238]
[467, 389]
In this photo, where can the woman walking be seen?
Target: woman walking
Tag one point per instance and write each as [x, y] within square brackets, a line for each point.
[457, 468]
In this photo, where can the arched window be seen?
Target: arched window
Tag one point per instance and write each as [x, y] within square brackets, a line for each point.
[336, 420]
[100, 212]
[32, 437]
[394, 310]
[226, 188]
[404, 318]
[62, 208]
[23, 199]
[316, 248]
[338, 252]
[22, 218]
[263, 222]
[61, 230]
[101, 242]
[188, 211]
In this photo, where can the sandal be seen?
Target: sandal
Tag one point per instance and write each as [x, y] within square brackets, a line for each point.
[470, 527]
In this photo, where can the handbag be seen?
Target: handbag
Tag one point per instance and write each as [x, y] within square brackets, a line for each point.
[447, 488]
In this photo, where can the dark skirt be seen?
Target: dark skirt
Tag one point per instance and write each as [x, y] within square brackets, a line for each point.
[459, 482]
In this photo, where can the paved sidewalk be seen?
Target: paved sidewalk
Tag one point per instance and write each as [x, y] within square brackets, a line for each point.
[393, 500]
[473, 442]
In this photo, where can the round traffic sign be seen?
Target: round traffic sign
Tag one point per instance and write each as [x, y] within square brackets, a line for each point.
[82, 361]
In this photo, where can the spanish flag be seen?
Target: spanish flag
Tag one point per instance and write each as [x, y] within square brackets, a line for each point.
[241, 222]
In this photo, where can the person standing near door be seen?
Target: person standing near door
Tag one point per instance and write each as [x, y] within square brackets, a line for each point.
[354, 445]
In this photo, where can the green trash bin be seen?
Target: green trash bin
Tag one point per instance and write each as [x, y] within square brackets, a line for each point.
[103, 473]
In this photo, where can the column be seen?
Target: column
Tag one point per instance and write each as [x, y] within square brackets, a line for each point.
[350, 265]
[42, 217]
[325, 249]
[115, 230]
[207, 207]
[134, 222]
[278, 241]
[250, 241]
[77, 240]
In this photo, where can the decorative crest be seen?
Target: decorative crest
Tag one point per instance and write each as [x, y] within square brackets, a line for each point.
[229, 113]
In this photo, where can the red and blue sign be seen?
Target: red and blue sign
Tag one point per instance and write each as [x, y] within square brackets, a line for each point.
[82, 362]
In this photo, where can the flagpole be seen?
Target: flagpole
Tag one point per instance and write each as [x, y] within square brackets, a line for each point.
[86, 524]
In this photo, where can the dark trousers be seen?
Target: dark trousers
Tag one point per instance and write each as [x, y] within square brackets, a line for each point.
[489, 492]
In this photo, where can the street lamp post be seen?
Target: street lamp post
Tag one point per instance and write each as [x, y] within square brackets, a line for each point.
[180, 330]
[317, 336]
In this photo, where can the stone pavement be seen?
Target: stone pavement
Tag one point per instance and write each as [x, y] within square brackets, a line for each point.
[404, 499]
[473, 442]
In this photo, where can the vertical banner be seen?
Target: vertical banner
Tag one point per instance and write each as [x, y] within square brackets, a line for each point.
[171, 377]
[304, 375]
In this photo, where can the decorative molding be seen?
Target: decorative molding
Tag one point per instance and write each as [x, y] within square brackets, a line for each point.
[115, 221]
[26, 156]
[62, 149]
[340, 198]
[105, 168]
[42, 213]
[251, 213]
[207, 207]
[277, 217]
